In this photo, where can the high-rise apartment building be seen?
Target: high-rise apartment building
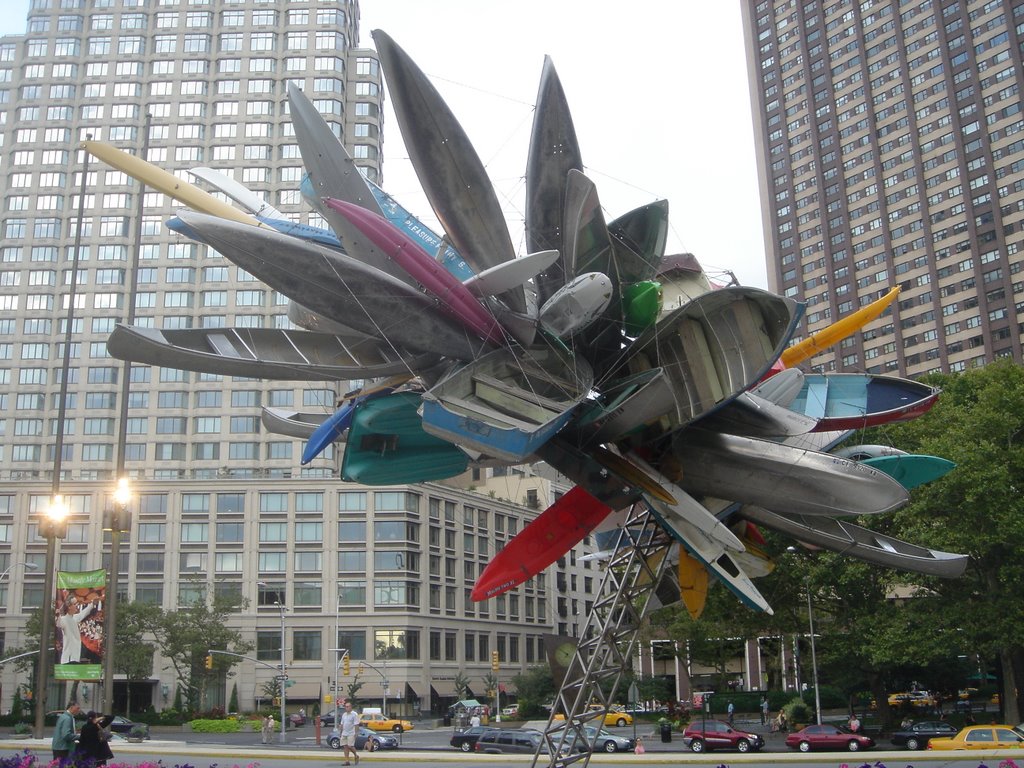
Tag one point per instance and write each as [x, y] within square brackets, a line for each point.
[220, 504]
[890, 144]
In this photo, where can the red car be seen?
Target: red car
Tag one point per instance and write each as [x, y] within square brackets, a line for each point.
[828, 737]
[705, 735]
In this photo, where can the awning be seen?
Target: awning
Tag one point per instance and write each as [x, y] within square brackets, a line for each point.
[410, 692]
[443, 687]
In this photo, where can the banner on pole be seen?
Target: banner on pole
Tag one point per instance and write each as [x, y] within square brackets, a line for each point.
[79, 625]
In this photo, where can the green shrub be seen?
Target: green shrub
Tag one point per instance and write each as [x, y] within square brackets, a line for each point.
[215, 726]
[797, 711]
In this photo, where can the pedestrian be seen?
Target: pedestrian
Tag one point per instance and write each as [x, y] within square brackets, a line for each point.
[349, 724]
[268, 729]
[783, 722]
[731, 709]
[93, 742]
[63, 742]
[474, 721]
[854, 723]
[764, 710]
[639, 748]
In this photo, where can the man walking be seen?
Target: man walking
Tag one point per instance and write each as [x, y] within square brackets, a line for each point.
[764, 710]
[63, 742]
[732, 711]
[349, 726]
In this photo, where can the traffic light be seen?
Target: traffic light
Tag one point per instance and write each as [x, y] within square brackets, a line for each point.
[208, 662]
[359, 670]
[495, 661]
[345, 666]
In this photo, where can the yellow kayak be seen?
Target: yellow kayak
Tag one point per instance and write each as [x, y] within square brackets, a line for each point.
[166, 182]
[693, 584]
[839, 330]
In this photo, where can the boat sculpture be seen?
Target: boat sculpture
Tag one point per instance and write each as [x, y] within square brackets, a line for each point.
[507, 403]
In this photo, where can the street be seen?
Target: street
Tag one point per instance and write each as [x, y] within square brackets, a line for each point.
[430, 745]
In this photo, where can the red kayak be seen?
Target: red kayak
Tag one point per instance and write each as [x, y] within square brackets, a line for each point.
[557, 530]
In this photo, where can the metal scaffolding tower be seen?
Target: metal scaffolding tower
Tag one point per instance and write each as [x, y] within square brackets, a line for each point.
[632, 575]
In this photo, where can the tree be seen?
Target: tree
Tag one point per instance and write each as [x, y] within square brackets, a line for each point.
[490, 681]
[977, 509]
[186, 634]
[133, 655]
[535, 688]
[461, 685]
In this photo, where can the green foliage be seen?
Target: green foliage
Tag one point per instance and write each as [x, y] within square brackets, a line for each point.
[233, 701]
[797, 712]
[185, 635]
[216, 726]
[535, 688]
[461, 685]
[653, 688]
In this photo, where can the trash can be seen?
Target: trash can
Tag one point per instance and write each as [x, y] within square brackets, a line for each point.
[666, 732]
[447, 721]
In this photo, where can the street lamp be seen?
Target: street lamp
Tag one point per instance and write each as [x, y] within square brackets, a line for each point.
[119, 521]
[283, 678]
[814, 656]
[52, 526]
[28, 567]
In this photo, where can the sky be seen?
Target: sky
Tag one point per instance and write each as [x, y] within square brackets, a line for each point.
[657, 90]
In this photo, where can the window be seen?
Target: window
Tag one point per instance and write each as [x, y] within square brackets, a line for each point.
[307, 645]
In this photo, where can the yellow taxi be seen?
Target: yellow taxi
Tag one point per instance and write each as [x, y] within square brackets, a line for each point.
[981, 737]
[616, 715]
[915, 699]
[377, 722]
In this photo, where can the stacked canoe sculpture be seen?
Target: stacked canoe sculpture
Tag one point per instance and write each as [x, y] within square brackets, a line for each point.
[622, 367]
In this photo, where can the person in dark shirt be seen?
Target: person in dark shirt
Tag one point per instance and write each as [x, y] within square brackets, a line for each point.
[92, 742]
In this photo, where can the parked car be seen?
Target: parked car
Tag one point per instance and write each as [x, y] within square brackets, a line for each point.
[297, 719]
[705, 735]
[124, 726]
[600, 740]
[828, 737]
[510, 711]
[466, 739]
[510, 741]
[365, 739]
[918, 734]
[917, 699]
[981, 737]
[615, 715]
[378, 722]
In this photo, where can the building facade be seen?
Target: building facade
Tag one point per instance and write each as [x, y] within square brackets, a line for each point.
[890, 144]
[220, 505]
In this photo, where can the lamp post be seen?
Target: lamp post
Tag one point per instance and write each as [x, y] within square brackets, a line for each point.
[52, 526]
[283, 677]
[814, 656]
[118, 523]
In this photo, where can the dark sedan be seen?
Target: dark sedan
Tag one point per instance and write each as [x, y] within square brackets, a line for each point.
[918, 735]
[828, 737]
[466, 739]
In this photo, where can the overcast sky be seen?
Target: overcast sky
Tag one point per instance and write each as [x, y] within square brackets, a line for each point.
[657, 91]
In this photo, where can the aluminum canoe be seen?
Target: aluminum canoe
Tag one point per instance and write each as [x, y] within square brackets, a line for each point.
[862, 543]
[260, 353]
[339, 287]
[714, 348]
[241, 194]
[554, 151]
[300, 424]
[780, 477]
[449, 170]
